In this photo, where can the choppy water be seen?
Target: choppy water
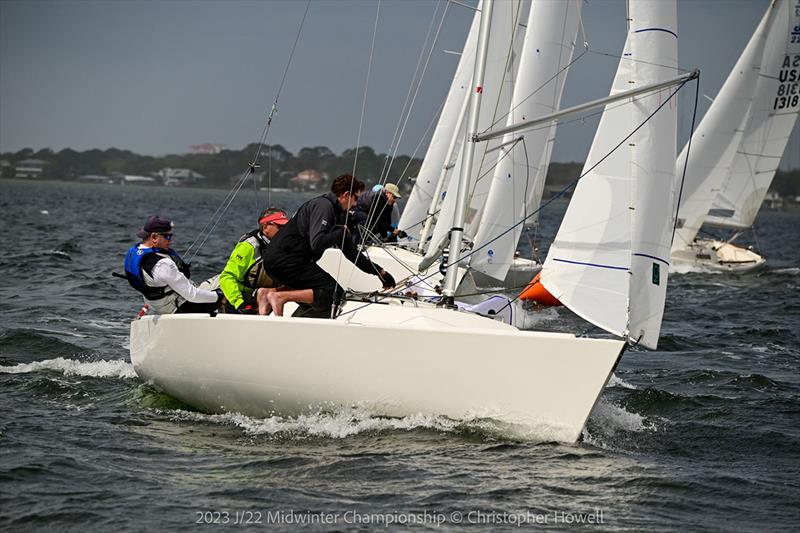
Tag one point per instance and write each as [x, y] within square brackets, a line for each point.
[702, 434]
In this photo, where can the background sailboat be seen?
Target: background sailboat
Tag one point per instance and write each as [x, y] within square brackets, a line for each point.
[738, 146]
[526, 70]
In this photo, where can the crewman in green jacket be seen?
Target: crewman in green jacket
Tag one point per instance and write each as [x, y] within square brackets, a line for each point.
[244, 275]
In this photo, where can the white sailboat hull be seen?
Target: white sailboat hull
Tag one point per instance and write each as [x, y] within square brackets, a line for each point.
[393, 360]
[708, 255]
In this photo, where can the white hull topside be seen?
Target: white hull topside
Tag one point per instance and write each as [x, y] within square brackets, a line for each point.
[390, 359]
[707, 255]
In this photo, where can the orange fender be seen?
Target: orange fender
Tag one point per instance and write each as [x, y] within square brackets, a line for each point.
[535, 291]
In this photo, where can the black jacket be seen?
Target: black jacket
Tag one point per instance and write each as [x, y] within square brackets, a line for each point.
[317, 226]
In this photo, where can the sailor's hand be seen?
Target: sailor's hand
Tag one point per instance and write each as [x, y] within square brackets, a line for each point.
[401, 234]
[386, 279]
[246, 309]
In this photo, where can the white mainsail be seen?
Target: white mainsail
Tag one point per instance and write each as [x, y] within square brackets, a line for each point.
[716, 139]
[769, 124]
[609, 261]
[518, 179]
[502, 59]
[435, 165]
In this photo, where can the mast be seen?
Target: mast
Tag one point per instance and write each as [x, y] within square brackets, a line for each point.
[522, 159]
[457, 231]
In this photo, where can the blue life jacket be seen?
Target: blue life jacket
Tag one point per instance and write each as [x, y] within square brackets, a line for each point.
[141, 260]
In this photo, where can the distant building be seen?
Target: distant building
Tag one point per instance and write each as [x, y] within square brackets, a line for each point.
[31, 168]
[207, 148]
[178, 177]
[772, 200]
[308, 180]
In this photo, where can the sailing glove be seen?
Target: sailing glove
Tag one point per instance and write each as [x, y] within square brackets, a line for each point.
[387, 279]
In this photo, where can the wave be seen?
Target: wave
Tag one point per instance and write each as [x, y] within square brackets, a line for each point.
[609, 420]
[348, 422]
[34, 344]
[619, 382]
[794, 271]
[70, 367]
[338, 424]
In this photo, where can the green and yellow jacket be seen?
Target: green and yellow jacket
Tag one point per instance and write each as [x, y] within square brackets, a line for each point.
[244, 272]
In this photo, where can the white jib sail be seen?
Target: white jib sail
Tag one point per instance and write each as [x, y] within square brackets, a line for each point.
[716, 139]
[434, 164]
[505, 40]
[772, 117]
[609, 261]
[518, 179]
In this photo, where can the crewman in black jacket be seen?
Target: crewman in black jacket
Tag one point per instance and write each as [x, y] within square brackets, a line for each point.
[291, 258]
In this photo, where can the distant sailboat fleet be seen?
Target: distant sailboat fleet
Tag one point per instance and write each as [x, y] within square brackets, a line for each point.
[482, 179]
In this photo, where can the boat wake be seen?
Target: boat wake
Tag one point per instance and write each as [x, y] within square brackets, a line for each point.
[70, 367]
[348, 422]
[337, 424]
[609, 420]
[619, 382]
[683, 268]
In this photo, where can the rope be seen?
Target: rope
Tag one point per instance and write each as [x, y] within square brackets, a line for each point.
[216, 218]
[569, 186]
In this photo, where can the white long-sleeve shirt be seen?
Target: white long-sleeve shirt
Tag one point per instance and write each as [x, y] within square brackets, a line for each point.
[166, 274]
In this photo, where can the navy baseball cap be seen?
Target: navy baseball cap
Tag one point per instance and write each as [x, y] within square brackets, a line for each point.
[155, 224]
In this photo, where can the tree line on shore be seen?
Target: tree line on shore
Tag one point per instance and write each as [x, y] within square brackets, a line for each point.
[277, 165]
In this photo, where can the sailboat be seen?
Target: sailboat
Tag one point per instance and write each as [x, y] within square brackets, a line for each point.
[738, 146]
[527, 64]
[398, 357]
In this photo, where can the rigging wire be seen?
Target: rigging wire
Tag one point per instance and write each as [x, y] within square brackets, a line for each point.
[346, 232]
[686, 161]
[405, 113]
[216, 218]
[561, 192]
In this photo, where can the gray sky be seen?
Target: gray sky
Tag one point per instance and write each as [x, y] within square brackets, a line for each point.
[155, 77]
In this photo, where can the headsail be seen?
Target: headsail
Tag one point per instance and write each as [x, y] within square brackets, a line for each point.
[609, 260]
[447, 129]
[719, 134]
[518, 179]
[769, 124]
[502, 59]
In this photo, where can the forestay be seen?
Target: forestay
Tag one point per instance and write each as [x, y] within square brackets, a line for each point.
[608, 262]
[518, 180]
[719, 134]
[768, 126]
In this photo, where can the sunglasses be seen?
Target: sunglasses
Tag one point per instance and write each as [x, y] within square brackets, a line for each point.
[167, 236]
